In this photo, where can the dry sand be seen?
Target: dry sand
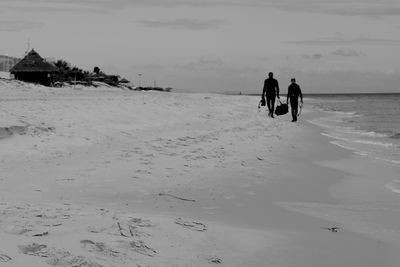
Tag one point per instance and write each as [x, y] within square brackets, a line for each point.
[105, 177]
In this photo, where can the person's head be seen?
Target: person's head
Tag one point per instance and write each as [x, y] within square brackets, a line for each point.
[293, 80]
[270, 75]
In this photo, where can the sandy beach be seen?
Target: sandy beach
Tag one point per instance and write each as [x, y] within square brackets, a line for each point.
[107, 177]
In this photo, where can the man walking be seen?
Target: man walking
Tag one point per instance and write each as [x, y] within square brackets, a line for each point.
[294, 92]
[270, 91]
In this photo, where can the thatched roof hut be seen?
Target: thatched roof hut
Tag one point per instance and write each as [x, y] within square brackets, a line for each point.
[33, 68]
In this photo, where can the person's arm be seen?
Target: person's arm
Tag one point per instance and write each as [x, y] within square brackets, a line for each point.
[264, 90]
[288, 93]
[301, 95]
[277, 88]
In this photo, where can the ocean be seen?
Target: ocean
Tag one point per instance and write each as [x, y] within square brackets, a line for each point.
[368, 124]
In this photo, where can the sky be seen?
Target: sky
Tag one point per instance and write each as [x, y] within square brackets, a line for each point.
[341, 46]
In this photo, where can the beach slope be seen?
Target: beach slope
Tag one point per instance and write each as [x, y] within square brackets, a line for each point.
[107, 177]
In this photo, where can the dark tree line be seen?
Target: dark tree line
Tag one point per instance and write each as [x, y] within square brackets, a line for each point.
[68, 73]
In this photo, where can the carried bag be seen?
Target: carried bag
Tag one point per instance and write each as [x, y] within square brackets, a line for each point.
[281, 109]
[261, 103]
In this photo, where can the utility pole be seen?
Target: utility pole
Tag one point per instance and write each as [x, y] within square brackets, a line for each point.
[29, 46]
[6, 66]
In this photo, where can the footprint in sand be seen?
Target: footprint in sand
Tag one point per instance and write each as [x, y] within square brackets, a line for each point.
[214, 259]
[141, 222]
[55, 257]
[34, 249]
[100, 247]
[4, 258]
[332, 229]
[192, 225]
[40, 233]
[96, 230]
[138, 246]
[131, 228]
[64, 258]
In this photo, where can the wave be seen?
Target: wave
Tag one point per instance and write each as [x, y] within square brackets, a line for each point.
[323, 101]
[394, 186]
[336, 137]
[334, 123]
[368, 134]
[363, 147]
[359, 141]
[368, 142]
[333, 110]
[390, 161]
[341, 113]
[343, 146]
[373, 134]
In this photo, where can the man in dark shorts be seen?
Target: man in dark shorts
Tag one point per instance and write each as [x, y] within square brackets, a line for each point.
[270, 91]
[294, 92]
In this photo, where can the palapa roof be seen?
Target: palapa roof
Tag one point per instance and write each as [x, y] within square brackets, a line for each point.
[33, 62]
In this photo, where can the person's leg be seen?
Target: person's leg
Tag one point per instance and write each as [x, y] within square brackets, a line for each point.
[269, 105]
[292, 111]
[272, 105]
[294, 105]
[295, 114]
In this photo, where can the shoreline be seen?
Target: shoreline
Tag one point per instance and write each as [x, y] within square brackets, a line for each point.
[202, 180]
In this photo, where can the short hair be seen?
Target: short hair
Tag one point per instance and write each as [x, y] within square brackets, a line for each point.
[293, 79]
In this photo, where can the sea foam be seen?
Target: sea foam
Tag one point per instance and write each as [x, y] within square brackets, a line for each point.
[394, 186]
[375, 143]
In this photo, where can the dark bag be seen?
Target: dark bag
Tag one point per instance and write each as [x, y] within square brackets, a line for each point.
[281, 109]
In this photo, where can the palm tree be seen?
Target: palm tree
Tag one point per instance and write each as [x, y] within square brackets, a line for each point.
[96, 70]
[63, 66]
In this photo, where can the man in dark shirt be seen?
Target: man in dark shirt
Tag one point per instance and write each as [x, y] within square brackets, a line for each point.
[294, 92]
[271, 91]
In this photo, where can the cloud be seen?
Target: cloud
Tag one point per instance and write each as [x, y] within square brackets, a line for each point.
[84, 6]
[202, 63]
[346, 53]
[183, 24]
[150, 66]
[17, 26]
[344, 41]
[314, 56]
[109, 5]
[334, 7]
[344, 8]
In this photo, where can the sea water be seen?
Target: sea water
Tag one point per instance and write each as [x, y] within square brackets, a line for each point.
[365, 123]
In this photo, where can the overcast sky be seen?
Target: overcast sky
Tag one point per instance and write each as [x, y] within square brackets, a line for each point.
[217, 45]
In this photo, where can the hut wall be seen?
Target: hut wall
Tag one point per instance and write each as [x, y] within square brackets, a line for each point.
[34, 77]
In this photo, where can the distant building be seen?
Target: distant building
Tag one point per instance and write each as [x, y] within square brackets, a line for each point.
[33, 68]
[6, 63]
